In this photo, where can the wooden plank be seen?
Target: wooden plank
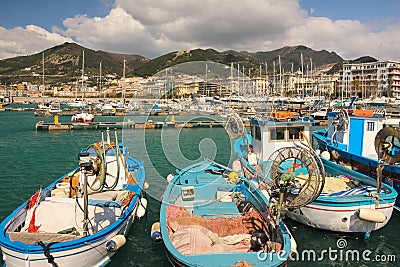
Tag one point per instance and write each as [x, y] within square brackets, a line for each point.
[33, 238]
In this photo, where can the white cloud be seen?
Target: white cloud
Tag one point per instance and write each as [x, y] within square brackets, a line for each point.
[24, 41]
[152, 28]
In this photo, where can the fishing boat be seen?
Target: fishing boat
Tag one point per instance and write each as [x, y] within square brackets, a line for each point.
[82, 218]
[351, 137]
[211, 216]
[82, 117]
[347, 202]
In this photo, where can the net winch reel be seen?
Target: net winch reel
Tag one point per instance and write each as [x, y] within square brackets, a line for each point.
[341, 121]
[234, 126]
[387, 147]
[289, 190]
[101, 177]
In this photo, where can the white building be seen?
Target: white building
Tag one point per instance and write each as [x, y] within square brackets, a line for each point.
[374, 79]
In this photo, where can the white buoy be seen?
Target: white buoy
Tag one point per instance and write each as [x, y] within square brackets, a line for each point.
[156, 232]
[318, 152]
[170, 177]
[115, 243]
[146, 185]
[237, 166]
[141, 210]
[326, 155]
[371, 215]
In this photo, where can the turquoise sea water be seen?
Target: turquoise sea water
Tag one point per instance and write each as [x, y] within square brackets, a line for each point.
[30, 159]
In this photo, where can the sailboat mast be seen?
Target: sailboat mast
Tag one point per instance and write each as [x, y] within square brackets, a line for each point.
[83, 70]
[302, 74]
[123, 81]
[100, 80]
[43, 69]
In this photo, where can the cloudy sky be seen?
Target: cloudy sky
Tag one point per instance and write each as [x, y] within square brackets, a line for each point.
[151, 28]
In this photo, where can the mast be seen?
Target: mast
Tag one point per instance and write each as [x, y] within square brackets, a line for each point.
[83, 71]
[43, 69]
[123, 81]
[302, 74]
[100, 80]
[280, 74]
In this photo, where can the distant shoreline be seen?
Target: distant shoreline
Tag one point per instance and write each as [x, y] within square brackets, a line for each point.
[25, 99]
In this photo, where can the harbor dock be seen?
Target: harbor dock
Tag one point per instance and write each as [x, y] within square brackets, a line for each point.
[54, 126]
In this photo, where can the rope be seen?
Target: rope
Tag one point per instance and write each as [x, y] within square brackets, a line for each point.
[46, 252]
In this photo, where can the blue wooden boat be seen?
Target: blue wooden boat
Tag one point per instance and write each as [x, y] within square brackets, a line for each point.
[350, 137]
[210, 216]
[348, 201]
[82, 218]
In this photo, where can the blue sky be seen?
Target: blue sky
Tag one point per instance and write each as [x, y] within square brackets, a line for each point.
[364, 10]
[152, 28]
[47, 13]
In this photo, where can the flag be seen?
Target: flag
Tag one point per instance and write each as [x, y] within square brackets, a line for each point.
[30, 214]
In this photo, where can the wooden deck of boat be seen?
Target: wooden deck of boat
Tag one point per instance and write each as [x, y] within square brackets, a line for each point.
[33, 238]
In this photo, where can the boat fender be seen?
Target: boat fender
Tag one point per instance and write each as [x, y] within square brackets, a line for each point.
[371, 215]
[146, 185]
[115, 243]
[233, 177]
[318, 152]
[325, 154]
[169, 177]
[156, 232]
[141, 210]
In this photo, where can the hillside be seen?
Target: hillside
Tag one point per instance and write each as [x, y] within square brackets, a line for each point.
[63, 63]
[249, 60]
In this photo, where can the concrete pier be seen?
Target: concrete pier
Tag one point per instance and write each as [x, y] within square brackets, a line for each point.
[54, 126]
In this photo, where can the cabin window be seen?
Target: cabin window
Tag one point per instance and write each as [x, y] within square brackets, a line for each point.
[370, 126]
[277, 134]
[294, 133]
[257, 132]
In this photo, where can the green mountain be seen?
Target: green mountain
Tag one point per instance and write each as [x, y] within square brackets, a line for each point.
[63, 63]
[289, 56]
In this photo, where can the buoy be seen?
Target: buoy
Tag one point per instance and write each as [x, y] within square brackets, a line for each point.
[326, 155]
[145, 185]
[233, 176]
[156, 232]
[318, 152]
[56, 119]
[169, 177]
[237, 166]
[371, 215]
[64, 186]
[115, 243]
[141, 210]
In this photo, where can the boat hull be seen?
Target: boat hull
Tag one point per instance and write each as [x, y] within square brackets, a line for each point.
[203, 206]
[21, 247]
[339, 219]
[338, 214]
[364, 165]
[86, 253]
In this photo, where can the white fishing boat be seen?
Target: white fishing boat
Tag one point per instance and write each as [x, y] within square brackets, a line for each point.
[82, 117]
[82, 218]
[348, 202]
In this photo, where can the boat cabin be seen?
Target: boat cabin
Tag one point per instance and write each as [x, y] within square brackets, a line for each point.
[269, 136]
[354, 130]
